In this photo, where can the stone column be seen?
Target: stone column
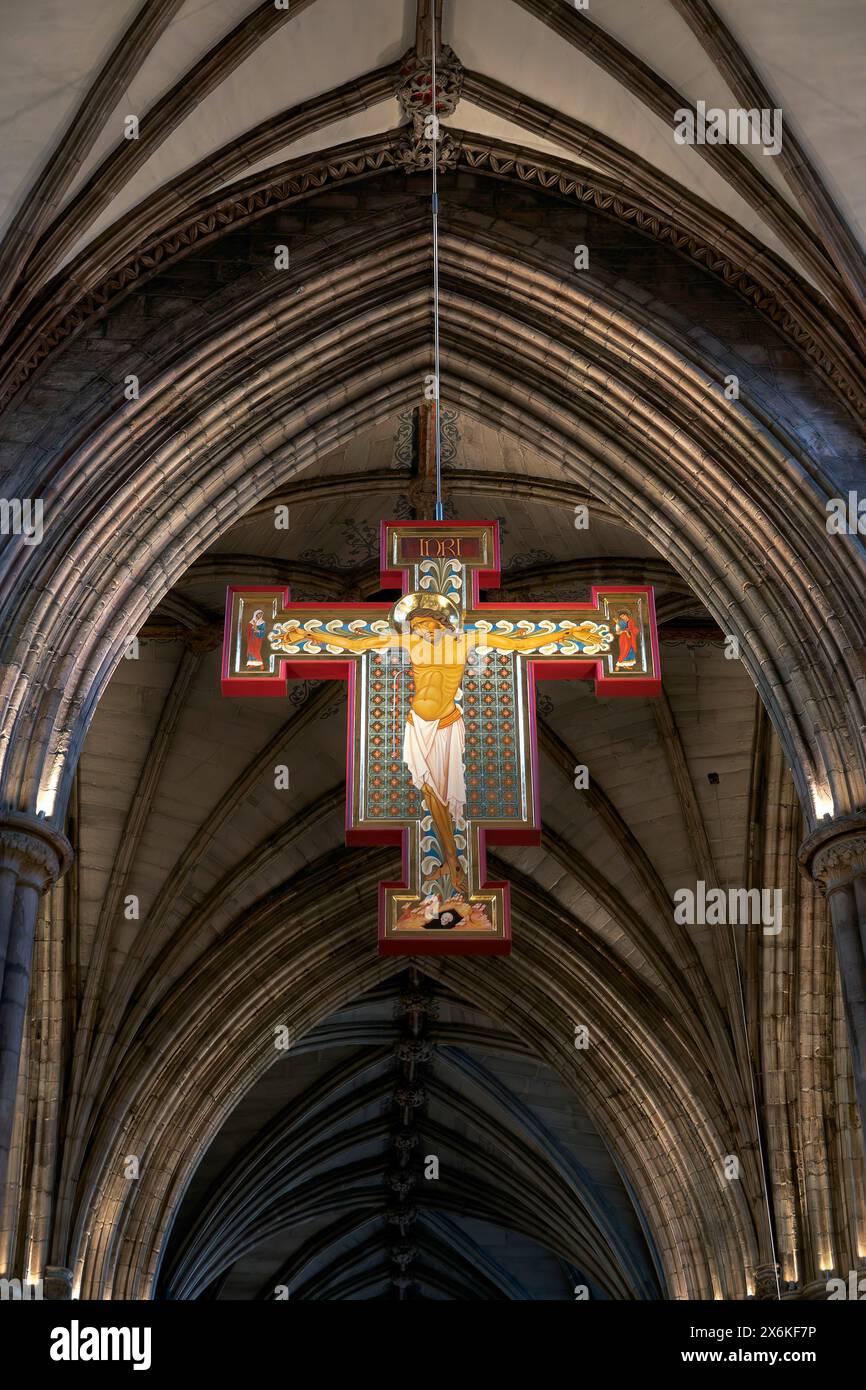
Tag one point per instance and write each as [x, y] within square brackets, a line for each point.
[32, 856]
[835, 857]
[57, 1283]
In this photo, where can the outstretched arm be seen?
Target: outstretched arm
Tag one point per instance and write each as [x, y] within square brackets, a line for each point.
[293, 632]
[505, 642]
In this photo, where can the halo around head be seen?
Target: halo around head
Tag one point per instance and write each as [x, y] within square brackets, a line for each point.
[421, 605]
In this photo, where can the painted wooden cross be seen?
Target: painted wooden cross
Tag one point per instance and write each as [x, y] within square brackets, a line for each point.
[441, 748]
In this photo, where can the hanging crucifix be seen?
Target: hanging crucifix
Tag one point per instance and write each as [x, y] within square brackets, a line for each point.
[441, 751]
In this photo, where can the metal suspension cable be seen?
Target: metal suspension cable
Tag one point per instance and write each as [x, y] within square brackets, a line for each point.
[434, 127]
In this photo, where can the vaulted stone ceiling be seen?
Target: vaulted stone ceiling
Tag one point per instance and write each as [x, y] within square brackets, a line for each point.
[527, 1203]
[176, 799]
[155, 258]
[615, 68]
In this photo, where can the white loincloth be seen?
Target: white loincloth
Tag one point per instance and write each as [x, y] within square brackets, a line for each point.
[435, 756]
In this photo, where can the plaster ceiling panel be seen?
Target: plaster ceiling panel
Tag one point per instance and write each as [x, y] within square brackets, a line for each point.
[812, 58]
[655, 32]
[195, 29]
[530, 57]
[52, 51]
[298, 61]
[468, 116]
[372, 121]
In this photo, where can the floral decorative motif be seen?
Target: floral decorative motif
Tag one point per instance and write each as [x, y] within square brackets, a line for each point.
[415, 87]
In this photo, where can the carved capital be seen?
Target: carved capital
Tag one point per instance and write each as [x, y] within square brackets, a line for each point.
[57, 1283]
[405, 1142]
[36, 852]
[401, 1181]
[410, 1097]
[403, 1255]
[414, 87]
[416, 156]
[417, 1002]
[415, 1050]
[834, 855]
[402, 1217]
[765, 1281]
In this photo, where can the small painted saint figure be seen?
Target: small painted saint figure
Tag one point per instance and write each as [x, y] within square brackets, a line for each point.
[626, 628]
[256, 630]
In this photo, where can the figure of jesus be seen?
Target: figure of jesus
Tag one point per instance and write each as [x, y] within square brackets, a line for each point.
[433, 740]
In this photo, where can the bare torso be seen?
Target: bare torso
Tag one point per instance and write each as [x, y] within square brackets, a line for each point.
[437, 669]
